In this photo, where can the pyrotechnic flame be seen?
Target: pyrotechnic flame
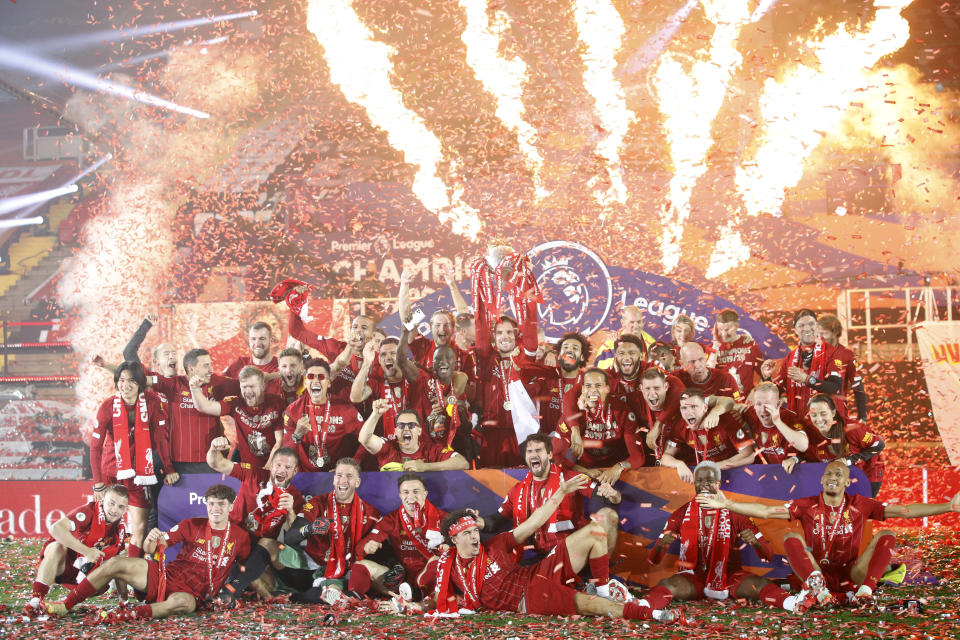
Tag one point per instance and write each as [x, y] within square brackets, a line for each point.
[729, 251]
[689, 102]
[601, 30]
[808, 102]
[502, 77]
[361, 67]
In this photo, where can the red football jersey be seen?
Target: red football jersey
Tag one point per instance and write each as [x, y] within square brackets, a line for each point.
[103, 459]
[318, 547]
[738, 523]
[202, 568]
[612, 435]
[428, 451]
[344, 421]
[252, 508]
[718, 383]
[857, 437]
[772, 447]
[191, 432]
[233, 369]
[742, 360]
[835, 532]
[409, 554]
[256, 426]
[720, 443]
[548, 536]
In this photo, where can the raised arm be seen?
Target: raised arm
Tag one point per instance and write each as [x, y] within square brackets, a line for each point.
[459, 302]
[216, 458]
[403, 296]
[540, 516]
[131, 350]
[750, 509]
[367, 438]
[359, 389]
[920, 510]
[201, 401]
[406, 366]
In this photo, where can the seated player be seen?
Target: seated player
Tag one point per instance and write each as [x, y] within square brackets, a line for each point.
[540, 483]
[319, 427]
[825, 556]
[265, 504]
[211, 545]
[488, 576]
[710, 432]
[612, 441]
[258, 415]
[79, 542]
[844, 439]
[413, 531]
[332, 525]
[408, 451]
[779, 434]
[709, 564]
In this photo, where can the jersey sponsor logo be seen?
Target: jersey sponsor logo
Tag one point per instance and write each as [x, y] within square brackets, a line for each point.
[576, 286]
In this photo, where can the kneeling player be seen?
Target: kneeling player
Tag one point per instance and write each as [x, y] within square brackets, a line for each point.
[825, 556]
[80, 542]
[489, 577]
[211, 545]
[709, 552]
[414, 533]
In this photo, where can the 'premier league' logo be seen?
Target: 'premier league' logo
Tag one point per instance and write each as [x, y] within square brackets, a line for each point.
[576, 287]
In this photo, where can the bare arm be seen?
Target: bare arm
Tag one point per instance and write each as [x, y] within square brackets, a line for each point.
[367, 438]
[459, 302]
[409, 369]
[749, 509]
[61, 532]
[743, 457]
[455, 462]
[669, 459]
[360, 390]
[203, 404]
[215, 458]
[920, 510]
[797, 438]
[403, 296]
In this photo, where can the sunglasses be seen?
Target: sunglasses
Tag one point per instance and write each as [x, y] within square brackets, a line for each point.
[316, 376]
[407, 425]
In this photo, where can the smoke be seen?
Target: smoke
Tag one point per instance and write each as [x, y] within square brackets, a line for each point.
[906, 121]
[123, 266]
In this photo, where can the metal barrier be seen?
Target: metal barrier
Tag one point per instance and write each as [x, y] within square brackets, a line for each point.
[9, 348]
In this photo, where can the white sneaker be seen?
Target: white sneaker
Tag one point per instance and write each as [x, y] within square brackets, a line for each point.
[618, 591]
[405, 591]
[332, 596]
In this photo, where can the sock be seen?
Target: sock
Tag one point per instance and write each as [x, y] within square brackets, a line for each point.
[636, 611]
[797, 555]
[80, 593]
[600, 569]
[40, 590]
[359, 579]
[253, 568]
[772, 595]
[659, 597]
[133, 551]
[879, 560]
[142, 611]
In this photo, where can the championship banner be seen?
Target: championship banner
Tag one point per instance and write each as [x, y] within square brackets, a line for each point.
[581, 293]
[939, 344]
[650, 495]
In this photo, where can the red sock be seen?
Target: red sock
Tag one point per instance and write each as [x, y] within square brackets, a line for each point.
[634, 611]
[142, 611]
[659, 597]
[879, 560]
[40, 590]
[600, 569]
[359, 579]
[133, 551]
[773, 595]
[797, 555]
[80, 593]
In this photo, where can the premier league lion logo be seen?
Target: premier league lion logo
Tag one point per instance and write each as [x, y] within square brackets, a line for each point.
[576, 287]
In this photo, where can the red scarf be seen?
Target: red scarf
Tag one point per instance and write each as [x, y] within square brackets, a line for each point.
[390, 427]
[472, 581]
[98, 529]
[709, 550]
[139, 466]
[267, 515]
[818, 368]
[339, 554]
[527, 502]
[425, 520]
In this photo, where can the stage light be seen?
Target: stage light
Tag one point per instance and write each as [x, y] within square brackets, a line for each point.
[13, 59]
[20, 222]
[113, 35]
[17, 202]
[129, 62]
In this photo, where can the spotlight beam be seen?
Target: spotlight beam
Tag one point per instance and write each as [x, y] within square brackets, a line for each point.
[658, 42]
[13, 59]
[17, 202]
[113, 35]
[20, 222]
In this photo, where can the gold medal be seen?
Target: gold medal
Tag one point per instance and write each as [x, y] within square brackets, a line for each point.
[507, 406]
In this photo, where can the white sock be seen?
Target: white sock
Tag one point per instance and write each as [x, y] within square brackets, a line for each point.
[790, 602]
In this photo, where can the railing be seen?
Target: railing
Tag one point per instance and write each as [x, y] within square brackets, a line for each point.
[31, 346]
[918, 303]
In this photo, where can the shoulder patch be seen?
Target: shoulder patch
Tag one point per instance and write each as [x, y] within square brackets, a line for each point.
[174, 528]
[308, 506]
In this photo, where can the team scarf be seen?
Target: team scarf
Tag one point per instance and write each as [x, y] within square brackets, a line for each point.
[268, 515]
[139, 465]
[709, 550]
[424, 521]
[96, 534]
[284, 291]
[528, 501]
[317, 435]
[487, 285]
[396, 405]
[339, 554]
[818, 368]
[472, 580]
